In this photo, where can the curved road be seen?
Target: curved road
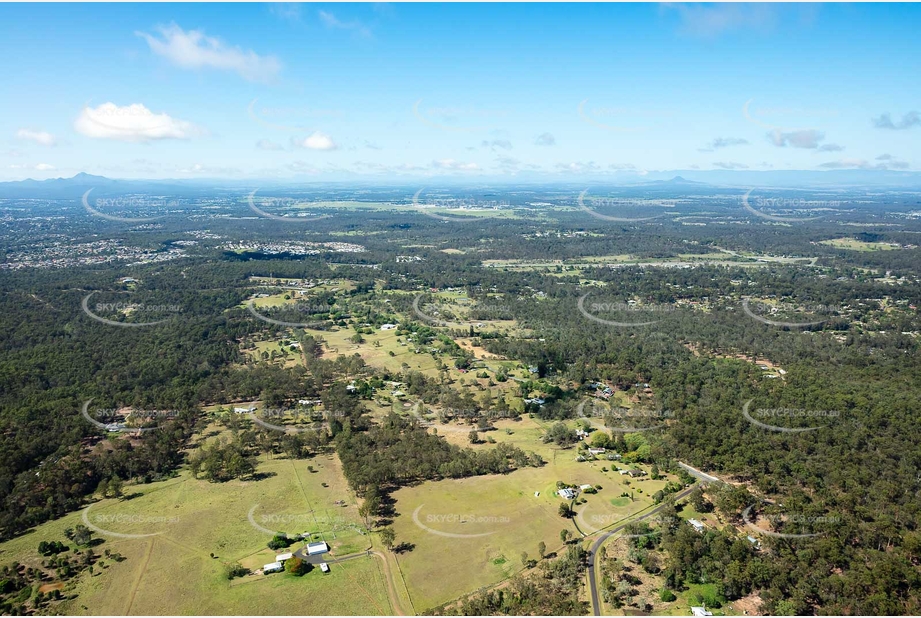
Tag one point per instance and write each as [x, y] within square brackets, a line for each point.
[592, 584]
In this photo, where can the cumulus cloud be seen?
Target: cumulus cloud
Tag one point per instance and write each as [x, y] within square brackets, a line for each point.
[131, 123]
[497, 143]
[545, 139]
[267, 144]
[451, 164]
[315, 141]
[39, 137]
[805, 138]
[578, 167]
[714, 19]
[725, 142]
[331, 21]
[909, 120]
[830, 148]
[195, 50]
[39, 167]
[730, 165]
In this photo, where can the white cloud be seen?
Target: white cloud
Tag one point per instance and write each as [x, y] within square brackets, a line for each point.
[578, 167]
[545, 139]
[451, 164]
[131, 123]
[724, 142]
[39, 137]
[39, 167]
[708, 20]
[730, 165]
[195, 50]
[331, 21]
[909, 120]
[316, 141]
[806, 138]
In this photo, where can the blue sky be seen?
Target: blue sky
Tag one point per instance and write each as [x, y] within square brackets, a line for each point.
[340, 91]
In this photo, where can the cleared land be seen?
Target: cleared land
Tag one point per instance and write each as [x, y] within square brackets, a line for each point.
[172, 571]
[853, 244]
[470, 533]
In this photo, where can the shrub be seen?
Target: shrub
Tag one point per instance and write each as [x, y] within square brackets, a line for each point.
[297, 567]
[236, 570]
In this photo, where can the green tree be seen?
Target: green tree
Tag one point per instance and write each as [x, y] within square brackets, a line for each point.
[388, 537]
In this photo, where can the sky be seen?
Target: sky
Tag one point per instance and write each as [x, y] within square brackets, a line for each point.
[481, 91]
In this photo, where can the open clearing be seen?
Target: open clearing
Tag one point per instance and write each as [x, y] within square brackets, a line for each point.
[853, 244]
[172, 572]
[469, 533]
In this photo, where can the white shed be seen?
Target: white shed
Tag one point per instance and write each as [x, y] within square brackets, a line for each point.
[283, 557]
[272, 567]
[317, 548]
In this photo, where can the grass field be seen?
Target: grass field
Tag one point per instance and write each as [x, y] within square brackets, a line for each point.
[853, 244]
[171, 570]
[470, 533]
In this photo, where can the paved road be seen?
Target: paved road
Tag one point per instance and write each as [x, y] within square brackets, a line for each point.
[593, 586]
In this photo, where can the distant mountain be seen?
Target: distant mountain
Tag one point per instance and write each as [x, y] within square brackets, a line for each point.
[678, 181]
[76, 186]
[653, 181]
